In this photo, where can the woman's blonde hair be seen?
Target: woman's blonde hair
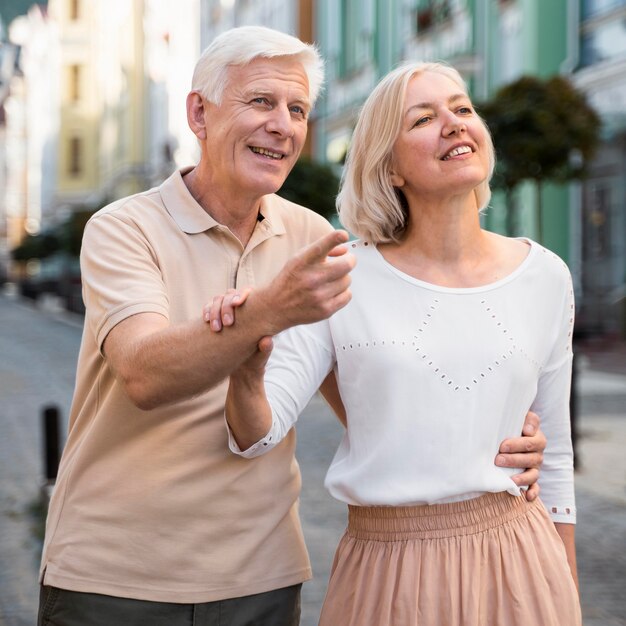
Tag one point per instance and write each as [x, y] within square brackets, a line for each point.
[369, 206]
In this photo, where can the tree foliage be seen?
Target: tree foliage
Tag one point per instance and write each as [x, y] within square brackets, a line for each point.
[36, 247]
[65, 238]
[313, 185]
[543, 130]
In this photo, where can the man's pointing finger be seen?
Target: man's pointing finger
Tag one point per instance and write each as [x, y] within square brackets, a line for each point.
[320, 249]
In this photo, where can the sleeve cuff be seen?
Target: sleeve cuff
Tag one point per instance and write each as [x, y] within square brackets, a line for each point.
[256, 449]
[562, 515]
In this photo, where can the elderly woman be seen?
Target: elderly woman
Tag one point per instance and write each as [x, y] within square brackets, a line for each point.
[452, 334]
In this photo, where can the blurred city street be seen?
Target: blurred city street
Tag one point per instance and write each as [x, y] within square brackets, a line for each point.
[38, 348]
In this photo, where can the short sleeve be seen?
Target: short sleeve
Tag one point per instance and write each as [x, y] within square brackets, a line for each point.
[120, 274]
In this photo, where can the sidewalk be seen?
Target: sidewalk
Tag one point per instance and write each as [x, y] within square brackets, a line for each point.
[605, 354]
[602, 392]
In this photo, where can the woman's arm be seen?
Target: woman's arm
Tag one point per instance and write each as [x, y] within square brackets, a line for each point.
[567, 534]
[248, 412]
[330, 391]
[303, 364]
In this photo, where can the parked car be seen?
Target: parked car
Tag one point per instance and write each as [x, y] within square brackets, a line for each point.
[58, 274]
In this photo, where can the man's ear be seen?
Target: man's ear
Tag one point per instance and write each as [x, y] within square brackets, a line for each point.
[195, 114]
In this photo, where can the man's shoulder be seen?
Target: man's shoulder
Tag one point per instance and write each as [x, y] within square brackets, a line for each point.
[129, 204]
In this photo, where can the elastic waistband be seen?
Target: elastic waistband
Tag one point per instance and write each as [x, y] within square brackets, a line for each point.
[397, 523]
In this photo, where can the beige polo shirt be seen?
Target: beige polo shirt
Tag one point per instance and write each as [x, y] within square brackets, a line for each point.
[152, 504]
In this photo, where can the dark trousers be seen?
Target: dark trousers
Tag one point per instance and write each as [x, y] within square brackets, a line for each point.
[59, 607]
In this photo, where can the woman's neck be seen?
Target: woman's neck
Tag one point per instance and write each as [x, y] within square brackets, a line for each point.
[444, 244]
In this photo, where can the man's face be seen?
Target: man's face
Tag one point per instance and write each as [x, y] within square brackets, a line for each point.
[254, 137]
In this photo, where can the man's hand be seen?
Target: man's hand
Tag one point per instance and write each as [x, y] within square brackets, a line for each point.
[525, 452]
[311, 287]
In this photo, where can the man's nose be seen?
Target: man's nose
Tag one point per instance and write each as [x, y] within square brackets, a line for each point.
[280, 121]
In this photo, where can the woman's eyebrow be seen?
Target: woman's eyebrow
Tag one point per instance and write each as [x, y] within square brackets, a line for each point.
[429, 105]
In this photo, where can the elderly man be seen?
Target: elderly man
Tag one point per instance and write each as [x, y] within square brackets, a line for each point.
[153, 521]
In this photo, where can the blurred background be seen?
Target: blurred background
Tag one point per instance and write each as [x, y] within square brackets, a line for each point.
[92, 108]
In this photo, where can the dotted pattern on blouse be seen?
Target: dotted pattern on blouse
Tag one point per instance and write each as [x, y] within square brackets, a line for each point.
[483, 375]
[444, 377]
[570, 294]
[562, 510]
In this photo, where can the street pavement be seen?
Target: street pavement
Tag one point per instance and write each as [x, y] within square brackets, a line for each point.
[38, 350]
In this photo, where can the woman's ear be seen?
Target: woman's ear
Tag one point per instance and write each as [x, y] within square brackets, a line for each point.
[395, 179]
[195, 114]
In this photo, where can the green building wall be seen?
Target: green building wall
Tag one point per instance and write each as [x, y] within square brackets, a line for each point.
[545, 50]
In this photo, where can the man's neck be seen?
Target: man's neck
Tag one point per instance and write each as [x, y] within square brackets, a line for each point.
[238, 214]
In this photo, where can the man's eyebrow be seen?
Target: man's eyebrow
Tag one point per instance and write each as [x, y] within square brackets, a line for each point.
[256, 92]
[268, 93]
[429, 105]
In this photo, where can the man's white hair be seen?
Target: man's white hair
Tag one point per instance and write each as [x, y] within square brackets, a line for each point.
[240, 46]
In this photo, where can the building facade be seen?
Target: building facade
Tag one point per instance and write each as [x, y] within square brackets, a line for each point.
[601, 73]
[28, 128]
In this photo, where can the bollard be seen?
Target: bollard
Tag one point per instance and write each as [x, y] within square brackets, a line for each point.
[51, 443]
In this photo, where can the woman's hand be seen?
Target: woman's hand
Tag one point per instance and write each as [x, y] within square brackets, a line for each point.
[221, 311]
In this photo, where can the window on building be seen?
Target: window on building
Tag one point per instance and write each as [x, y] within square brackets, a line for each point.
[74, 83]
[74, 9]
[357, 34]
[595, 8]
[597, 241]
[75, 156]
[510, 34]
[603, 42]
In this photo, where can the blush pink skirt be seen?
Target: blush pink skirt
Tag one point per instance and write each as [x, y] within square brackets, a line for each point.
[496, 560]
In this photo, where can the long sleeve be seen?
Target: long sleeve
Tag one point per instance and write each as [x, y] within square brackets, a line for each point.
[552, 406]
[301, 360]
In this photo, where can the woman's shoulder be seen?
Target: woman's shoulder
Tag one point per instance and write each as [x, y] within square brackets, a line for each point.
[550, 262]
[520, 250]
[360, 246]
[366, 254]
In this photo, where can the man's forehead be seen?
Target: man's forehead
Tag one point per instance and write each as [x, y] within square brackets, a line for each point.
[271, 74]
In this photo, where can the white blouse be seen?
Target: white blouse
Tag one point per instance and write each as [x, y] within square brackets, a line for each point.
[433, 379]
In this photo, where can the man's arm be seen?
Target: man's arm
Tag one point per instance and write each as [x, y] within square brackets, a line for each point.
[159, 363]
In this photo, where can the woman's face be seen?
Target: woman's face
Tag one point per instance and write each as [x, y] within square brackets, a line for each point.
[443, 146]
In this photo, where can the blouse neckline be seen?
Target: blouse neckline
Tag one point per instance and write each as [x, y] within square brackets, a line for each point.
[463, 290]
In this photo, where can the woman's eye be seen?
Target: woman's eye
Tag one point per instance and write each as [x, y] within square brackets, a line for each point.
[422, 120]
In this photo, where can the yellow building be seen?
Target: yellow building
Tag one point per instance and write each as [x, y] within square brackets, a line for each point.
[102, 105]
